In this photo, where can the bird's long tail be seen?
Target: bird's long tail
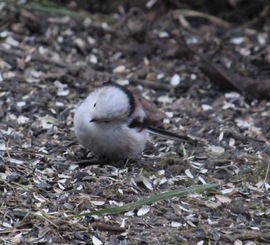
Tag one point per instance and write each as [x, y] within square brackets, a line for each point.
[161, 132]
[170, 135]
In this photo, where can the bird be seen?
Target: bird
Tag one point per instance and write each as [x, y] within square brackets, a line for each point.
[112, 123]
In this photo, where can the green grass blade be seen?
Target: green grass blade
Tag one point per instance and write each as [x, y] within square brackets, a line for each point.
[150, 200]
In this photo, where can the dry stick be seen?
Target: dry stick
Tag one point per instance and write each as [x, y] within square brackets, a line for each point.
[7, 146]
[192, 13]
[262, 15]
[30, 152]
[15, 230]
[146, 83]
[105, 227]
[210, 64]
[125, 18]
[267, 171]
[267, 161]
[37, 58]
[250, 235]
[89, 162]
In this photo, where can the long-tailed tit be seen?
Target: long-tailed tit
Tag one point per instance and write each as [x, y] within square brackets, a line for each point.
[112, 123]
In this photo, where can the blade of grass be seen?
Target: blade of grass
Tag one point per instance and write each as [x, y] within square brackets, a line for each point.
[150, 200]
[47, 6]
[52, 8]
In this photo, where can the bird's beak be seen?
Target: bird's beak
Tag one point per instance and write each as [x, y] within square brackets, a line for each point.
[100, 120]
[96, 120]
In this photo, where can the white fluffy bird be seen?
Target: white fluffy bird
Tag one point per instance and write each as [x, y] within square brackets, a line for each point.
[111, 123]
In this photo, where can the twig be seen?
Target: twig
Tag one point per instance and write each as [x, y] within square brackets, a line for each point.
[262, 15]
[89, 162]
[147, 83]
[209, 64]
[30, 152]
[192, 13]
[105, 227]
[7, 146]
[143, 82]
[267, 171]
[35, 57]
[247, 235]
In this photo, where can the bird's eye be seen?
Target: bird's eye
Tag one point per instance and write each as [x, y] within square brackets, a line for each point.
[106, 121]
[95, 104]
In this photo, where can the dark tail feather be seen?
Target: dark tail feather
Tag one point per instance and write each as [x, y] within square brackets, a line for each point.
[171, 136]
[160, 132]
